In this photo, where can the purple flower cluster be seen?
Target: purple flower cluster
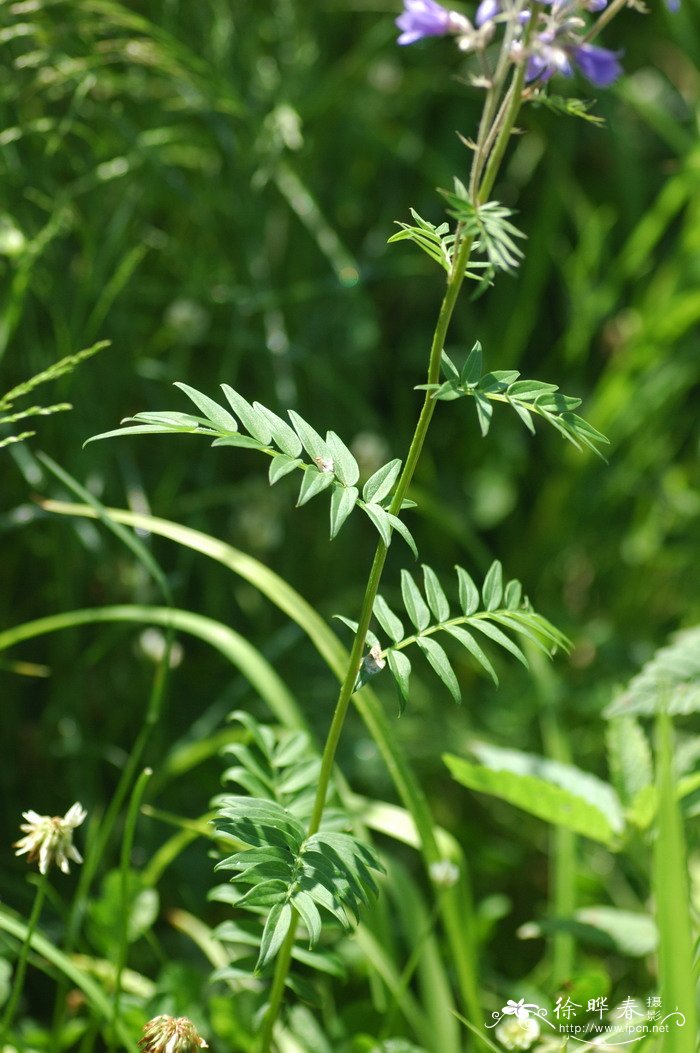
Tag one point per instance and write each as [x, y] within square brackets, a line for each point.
[557, 46]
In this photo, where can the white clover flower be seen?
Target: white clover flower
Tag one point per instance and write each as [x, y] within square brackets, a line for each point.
[444, 873]
[169, 1034]
[50, 838]
[518, 1033]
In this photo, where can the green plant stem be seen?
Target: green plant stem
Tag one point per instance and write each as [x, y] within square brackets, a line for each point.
[124, 867]
[454, 284]
[21, 970]
[106, 828]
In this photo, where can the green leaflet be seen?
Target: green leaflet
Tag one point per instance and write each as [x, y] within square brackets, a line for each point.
[528, 398]
[332, 465]
[534, 795]
[494, 613]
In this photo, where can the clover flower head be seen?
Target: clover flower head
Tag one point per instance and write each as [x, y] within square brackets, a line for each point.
[50, 838]
[169, 1034]
[518, 1033]
[426, 18]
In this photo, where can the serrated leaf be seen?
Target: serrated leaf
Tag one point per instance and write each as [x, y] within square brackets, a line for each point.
[285, 437]
[314, 482]
[492, 591]
[413, 601]
[252, 420]
[380, 518]
[311, 440]
[211, 410]
[282, 465]
[345, 465]
[276, 928]
[468, 592]
[669, 682]
[379, 485]
[343, 500]
[400, 668]
[470, 644]
[390, 623]
[438, 659]
[403, 531]
[437, 600]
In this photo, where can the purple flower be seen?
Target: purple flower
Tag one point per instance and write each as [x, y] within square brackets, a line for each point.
[487, 11]
[549, 56]
[601, 66]
[425, 18]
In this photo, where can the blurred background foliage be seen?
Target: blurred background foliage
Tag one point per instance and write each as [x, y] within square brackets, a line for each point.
[211, 186]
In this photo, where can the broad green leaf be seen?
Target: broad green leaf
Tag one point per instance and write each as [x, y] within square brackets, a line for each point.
[390, 623]
[468, 592]
[441, 664]
[312, 441]
[380, 485]
[211, 410]
[276, 928]
[285, 437]
[582, 784]
[343, 500]
[313, 483]
[380, 518]
[437, 600]
[413, 601]
[467, 641]
[282, 465]
[536, 796]
[252, 419]
[346, 467]
[492, 590]
[400, 668]
[484, 411]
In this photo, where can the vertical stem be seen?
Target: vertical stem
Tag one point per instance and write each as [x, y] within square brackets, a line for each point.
[20, 973]
[463, 246]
